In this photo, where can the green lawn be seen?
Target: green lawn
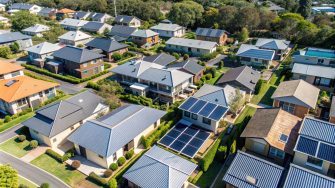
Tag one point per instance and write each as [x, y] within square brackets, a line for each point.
[62, 171]
[23, 181]
[16, 148]
[218, 75]
[16, 121]
[208, 177]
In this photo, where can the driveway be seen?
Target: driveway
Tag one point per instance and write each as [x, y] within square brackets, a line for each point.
[215, 61]
[9, 133]
[31, 172]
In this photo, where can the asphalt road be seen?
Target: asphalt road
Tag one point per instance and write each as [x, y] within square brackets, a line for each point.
[9, 133]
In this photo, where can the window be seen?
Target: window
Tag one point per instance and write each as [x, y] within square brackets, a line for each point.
[101, 156]
[322, 81]
[54, 140]
[85, 72]
[155, 125]
[283, 138]
[22, 102]
[189, 49]
[40, 94]
[206, 121]
[276, 153]
[187, 114]
[303, 77]
[256, 59]
[288, 107]
[198, 50]
[17, 73]
[114, 157]
[194, 116]
[321, 61]
[314, 162]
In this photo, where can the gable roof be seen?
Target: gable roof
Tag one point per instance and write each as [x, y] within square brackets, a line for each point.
[23, 86]
[46, 10]
[160, 169]
[270, 124]
[246, 166]
[273, 44]
[44, 48]
[74, 36]
[81, 14]
[305, 93]
[95, 26]
[189, 65]
[76, 55]
[106, 44]
[200, 44]
[252, 51]
[160, 59]
[73, 22]
[12, 36]
[6, 67]
[65, 11]
[107, 135]
[38, 28]
[98, 16]
[57, 117]
[166, 27]
[207, 32]
[21, 6]
[124, 19]
[122, 31]
[144, 33]
[244, 75]
[301, 177]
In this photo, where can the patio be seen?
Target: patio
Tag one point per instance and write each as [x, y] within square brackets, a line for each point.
[87, 166]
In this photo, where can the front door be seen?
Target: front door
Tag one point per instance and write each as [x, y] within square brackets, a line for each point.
[82, 151]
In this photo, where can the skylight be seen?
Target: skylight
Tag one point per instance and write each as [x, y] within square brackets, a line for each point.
[283, 138]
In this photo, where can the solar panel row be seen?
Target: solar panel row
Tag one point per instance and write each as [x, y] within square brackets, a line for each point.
[184, 139]
[204, 108]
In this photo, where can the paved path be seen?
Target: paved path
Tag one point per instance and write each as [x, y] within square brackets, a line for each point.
[31, 172]
[33, 154]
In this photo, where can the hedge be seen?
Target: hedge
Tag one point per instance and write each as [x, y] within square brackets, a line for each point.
[113, 166]
[207, 160]
[11, 118]
[196, 178]
[157, 134]
[56, 156]
[207, 57]
[97, 179]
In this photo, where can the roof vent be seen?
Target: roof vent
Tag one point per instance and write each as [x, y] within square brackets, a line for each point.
[10, 83]
[164, 78]
[252, 82]
[216, 100]
[251, 180]
[80, 100]
[134, 70]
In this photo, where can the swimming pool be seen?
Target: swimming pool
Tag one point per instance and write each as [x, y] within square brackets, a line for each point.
[320, 53]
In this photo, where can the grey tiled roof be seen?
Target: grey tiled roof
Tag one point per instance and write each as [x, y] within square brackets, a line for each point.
[94, 26]
[38, 28]
[76, 55]
[160, 59]
[73, 22]
[215, 94]
[189, 65]
[106, 44]
[21, 6]
[166, 27]
[160, 169]
[43, 48]
[122, 31]
[243, 75]
[144, 33]
[45, 10]
[12, 36]
[111, 132]
[57, 117]
[207, 32]
[191, 43]
[124, 19]
[273, 44]
[81, 14]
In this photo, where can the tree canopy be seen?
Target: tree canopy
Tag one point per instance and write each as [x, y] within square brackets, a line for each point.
[8, 177]
[22, 20]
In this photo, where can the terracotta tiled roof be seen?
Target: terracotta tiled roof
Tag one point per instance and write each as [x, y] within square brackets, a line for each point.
[6, 68]
[24, 86]
[66, 11]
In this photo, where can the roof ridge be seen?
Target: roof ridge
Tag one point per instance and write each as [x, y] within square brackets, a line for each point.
[312, 172]
[18, 86]
[261, 160]
[276, 118]
[128, 117]
[53, 122]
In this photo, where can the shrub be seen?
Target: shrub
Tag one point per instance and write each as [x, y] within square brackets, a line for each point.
[222, 153]
[5, 52]
[186, 56]
[196, 178]
[112, 183]
[221, 64]
[23, 186]
[113, 166]
[121, 161]
[208, 76]
[176, 55]
[207, 160]
[258, 86]
[33, 144]
[117, 56]
[129, 154]
[207, 57]
[7, 119]
[97, 179]
[108, 173]
[22, 138]
[15, 47]
[56, 156]
[75, 164]
[44, 185]
[80, 46]
[233, 147]
[93, 85]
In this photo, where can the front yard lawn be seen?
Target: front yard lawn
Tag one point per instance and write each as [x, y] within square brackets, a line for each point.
[16, 121]
[23, 181]
[61, 170]
[15, 147]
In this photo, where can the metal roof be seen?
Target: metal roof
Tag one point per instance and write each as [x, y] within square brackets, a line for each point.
[251, 51]
[111, 132]
[166, 27]
[12, 36]
[298, 177]
[207, 32]
[124, 19]
[318, 129]
[160, 169]
[122, 31]
[272, 44]
[200, 44]
[144, 33]
[95, 26]
[21, 6]
[189, 65]
[76, 55]
[38, 28]
[44, 48]
[160, 59]
[106, 44]
[314, 70]
[246, 166]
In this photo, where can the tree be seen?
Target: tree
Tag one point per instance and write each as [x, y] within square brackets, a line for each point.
[237, 101]
[15, 47]
[44, 185]
[8, 176]
[22, 20]
[5, 52]
[186, 13]
[243, 35]
[247, 17]
[305, 8]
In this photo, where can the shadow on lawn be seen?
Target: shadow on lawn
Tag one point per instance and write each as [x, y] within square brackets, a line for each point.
[266, 99]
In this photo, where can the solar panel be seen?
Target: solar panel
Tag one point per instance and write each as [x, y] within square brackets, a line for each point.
[184, 138]
[177, 145]
[197, 106]
[207, 110]
[180, 127]
[196, 142]
[188, 103]
[326, 152]
[10, 82]
[218, 113]
[202, 135]
[166, 140]
[191, 131]
[189, 151]
[173, 133]
[307, 146]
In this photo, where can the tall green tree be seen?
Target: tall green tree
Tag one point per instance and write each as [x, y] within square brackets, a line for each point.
[305, 8]
[8, 177]
[186, 13]
[23, 19]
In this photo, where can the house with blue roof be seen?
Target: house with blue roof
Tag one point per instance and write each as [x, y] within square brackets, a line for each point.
[248, 171]
[316, 66]
[254, 56]
[24, 41]
[108, 138]
[315, 147]
[281, 47]
[96, 27]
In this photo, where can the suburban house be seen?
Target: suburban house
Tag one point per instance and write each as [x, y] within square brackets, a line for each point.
[272, 133]
[81, 15]
[36, 30]
[96, 27]
[94, 16]
[107, 47]
[301, 177]
[159, 168]
[74, 38]
[215, 35]
[190, 66]
[145, 38]
[47, 12]
[22, 92]
[316, 66]
[323, 10]
[169, 30]
[254, 56]
[130, 21]
[72, 24]
[7, 39]
[315, 146]
[208, 106]
[153, 80]
[33, 9]
[122, 33]
[281, 47]
[244, 78]
[103, 141]
[191, 46]
[53, 123]
[248, 171]
[64, 13]
[78, 62]
[296, 97]
[38, 53]
[162, 59]
[332, 111]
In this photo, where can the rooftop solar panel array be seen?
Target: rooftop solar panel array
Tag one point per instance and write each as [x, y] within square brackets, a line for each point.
[184, 139]
[204, 108]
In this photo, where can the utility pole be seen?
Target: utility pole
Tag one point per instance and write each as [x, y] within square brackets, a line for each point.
[115, 8]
